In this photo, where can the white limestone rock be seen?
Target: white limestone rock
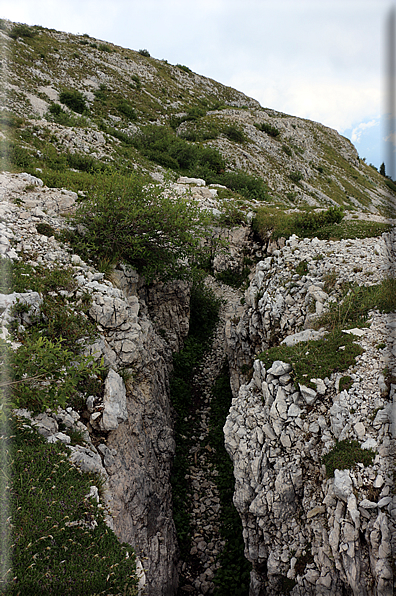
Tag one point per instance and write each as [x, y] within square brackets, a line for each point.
[114, 401]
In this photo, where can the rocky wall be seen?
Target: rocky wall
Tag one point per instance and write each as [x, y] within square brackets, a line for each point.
[306, 533]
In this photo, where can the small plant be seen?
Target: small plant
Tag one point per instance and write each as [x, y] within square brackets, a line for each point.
[345, 383]
[296, 177]
[380, 346]
[144, 53]
[22, 30]
[45, 229]
[287, 150]
[126, 109]
[105, 48]
[302, 268]
[184, 68]
[345, 455]
[137, 81]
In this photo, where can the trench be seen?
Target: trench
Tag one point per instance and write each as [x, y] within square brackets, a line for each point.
[208, 526]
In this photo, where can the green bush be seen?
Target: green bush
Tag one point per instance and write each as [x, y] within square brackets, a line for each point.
[74, 100]
[158, 234]
[84, 163]
[233, 133]
[43, 374]
[296, 177]
[22, 30]
[185, 68]
[137, 80]
[302, 268]
[287, 150]
[105, 48]
[267, 128]
[277, 224]
[250, 187]
[126, 109]
[160, 145]
[144, 53]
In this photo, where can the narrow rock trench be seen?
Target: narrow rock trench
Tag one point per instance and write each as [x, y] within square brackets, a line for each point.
[198, 566]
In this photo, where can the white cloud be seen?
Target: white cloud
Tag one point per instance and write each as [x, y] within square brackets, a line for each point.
[357, 131]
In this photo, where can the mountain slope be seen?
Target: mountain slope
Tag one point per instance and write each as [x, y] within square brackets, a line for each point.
[73, 93]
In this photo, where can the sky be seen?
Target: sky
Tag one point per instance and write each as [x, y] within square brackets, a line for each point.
[317, 59]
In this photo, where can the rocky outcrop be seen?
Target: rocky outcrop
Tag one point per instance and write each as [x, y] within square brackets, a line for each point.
[128, 432]
[306, 533]
[281, 301]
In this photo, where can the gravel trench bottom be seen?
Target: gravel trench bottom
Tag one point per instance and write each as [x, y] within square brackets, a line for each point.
[200, 565]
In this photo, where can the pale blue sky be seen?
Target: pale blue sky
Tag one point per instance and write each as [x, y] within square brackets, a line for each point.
[317, 59]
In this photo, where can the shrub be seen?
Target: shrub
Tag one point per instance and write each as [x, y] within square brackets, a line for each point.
[74, 100]
[137, 80]
[159, 144]
[302, 268]
[287, 150]
[144, 53]
[22, 30]
[126, 109]
[105, 48]
[296, 177]
[250, 187]
[267, 128]
[276, 223]
[185, 68]
[43, 374]
[84, 163]
[157, 234]
[234, 134]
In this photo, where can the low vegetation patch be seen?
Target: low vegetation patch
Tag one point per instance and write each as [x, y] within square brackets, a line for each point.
[59, 542]
[345, 455]
[48, 368]
[74, 100]
[316, 359]
[273, 222]
[357, 301]
[272, 131]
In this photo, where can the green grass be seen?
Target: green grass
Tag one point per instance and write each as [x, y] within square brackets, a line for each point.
[48, 368]
[345, 455]
[273, 222]
[45, 493]
[320, 358]
[315, 359]
[356, 303]
[324, 225]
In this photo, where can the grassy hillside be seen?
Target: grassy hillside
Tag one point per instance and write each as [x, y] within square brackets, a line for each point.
[72, 101]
